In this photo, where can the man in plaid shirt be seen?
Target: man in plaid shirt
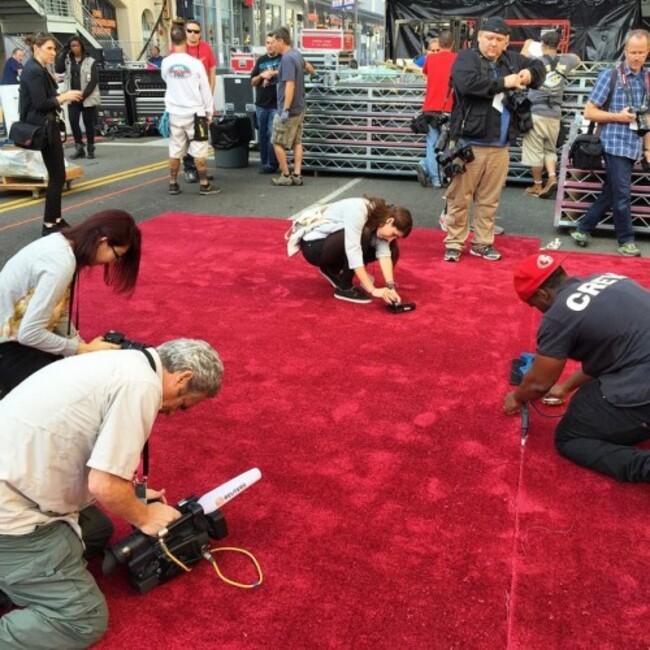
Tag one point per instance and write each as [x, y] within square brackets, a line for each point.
[623, 144]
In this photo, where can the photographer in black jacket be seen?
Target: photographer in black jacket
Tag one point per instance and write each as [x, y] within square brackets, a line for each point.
[487, 112]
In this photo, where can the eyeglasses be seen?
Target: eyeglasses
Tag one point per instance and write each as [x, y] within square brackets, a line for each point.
[117, 255]
[193, 31]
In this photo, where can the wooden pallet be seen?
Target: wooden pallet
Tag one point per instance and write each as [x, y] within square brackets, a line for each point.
[37, 185]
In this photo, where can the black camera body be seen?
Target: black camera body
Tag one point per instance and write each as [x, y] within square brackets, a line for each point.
[519, 105]
[454, 161]
[641, 116]
[117, 338]
[187, 539]
[400, 307]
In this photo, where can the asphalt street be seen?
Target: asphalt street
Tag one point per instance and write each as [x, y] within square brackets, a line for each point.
[131, 174]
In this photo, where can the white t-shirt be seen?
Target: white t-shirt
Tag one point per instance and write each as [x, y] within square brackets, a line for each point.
[188, 90]
[87, 411]
[349, 215]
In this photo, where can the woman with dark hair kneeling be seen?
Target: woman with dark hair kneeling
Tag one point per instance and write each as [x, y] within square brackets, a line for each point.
[36, 287]
[354, 233]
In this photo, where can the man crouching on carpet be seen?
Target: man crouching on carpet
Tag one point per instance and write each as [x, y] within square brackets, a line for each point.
[603, 321]
[72, 433]
[188, 100]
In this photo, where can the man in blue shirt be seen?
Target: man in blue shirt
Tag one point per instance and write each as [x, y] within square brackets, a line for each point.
[621, 139]
[264, 78]
[13, 68]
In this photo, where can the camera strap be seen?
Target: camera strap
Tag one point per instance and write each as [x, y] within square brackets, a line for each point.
[625, 84]
[141, 485]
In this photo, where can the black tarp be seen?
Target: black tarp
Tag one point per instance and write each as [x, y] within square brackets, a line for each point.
[598, 27]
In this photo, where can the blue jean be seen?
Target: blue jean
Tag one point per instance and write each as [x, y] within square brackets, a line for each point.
[264, 127]
[615, 196]
[430, 163]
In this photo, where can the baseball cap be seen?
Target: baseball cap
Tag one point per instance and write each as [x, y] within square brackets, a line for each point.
[532, 272]
[551, 39]
[495, 24]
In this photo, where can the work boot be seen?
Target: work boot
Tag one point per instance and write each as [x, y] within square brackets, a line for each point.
[91, 152]
[79, 152]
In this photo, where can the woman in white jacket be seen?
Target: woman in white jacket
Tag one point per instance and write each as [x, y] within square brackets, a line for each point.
[354, 233]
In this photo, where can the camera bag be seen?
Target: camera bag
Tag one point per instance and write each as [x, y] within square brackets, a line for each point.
[587, 150]
[420, 123]
[28, 136]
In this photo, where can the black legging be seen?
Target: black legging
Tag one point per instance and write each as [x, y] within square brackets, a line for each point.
[329, 253]
[18, 361]
[89, 114]
[55, 165]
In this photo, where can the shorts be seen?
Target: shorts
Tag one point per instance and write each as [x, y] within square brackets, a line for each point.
[539, 145]
[287, 134]
[181, 132]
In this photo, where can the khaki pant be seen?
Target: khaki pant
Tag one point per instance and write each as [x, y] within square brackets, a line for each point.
[482, 183]
[44, 573]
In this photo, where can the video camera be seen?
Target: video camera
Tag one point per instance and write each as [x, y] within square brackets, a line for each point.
[452, 161]
[519, 105]
[120, 339]
[153, 560]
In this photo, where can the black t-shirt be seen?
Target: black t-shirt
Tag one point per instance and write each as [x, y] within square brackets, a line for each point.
[603, 321]
[266, 96]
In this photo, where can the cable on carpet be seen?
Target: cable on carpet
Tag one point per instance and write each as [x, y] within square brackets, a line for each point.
[209, 556]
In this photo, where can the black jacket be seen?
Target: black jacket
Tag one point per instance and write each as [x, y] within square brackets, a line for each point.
[38, 93]
[474, 117]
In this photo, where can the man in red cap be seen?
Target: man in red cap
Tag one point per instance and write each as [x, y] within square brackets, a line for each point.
[602, 321]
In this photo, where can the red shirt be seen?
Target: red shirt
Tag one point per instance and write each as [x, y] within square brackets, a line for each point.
[204, 53]
[437, 68]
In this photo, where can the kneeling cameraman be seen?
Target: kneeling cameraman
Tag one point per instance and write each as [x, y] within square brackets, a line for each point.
[72, 433]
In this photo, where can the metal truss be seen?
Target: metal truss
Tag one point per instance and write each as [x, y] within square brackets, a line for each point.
[579, 188]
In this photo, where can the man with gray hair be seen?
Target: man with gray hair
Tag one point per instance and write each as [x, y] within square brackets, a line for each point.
[71, 434]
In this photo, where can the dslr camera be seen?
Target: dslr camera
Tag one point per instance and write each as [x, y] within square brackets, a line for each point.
[642, 125]
[149, 560]
[519, 105]
[120, 339]
[453, 161]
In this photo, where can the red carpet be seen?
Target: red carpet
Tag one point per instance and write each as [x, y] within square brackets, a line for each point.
[396, 508]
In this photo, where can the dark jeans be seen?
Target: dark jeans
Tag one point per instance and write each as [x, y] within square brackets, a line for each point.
[615, 196]
[264, 128]
[55, 165]
[595, 434]
[188, 163]
[329, 254]
[18, 361]
[89, 114]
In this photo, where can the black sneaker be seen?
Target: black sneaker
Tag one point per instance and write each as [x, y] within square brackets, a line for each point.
[191, 177]
[486, 252]
[352, 295]
[451, 255]
[174, 188]
[423, 177]
[208, 189]
[49, 228]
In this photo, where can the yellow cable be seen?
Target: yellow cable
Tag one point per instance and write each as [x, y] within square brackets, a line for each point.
[233, 549]
[172, 558]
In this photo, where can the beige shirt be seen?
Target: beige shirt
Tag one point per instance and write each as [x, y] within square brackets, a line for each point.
[89, 411]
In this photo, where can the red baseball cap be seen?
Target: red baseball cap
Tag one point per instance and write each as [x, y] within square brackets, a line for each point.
[532, 272]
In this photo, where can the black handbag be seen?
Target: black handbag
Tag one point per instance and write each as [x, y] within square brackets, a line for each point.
[28, 136]
[586, 152]
[201, 128]
[420, 123]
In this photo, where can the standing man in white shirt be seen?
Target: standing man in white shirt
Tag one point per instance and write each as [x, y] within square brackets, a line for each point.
[188, 100]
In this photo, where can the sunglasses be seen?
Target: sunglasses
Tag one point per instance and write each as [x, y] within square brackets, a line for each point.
[117, 255]
[193, 31]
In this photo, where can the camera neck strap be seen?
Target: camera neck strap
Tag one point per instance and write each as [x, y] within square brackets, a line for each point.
[141, 484]
[625, 84]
